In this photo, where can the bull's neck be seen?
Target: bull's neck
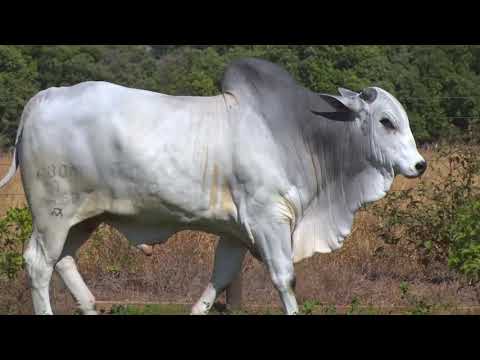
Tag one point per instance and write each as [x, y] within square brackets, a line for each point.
[338, 152]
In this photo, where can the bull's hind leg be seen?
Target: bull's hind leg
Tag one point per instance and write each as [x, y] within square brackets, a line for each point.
[41, 255]
[52, 221]
[229, 257]
[67, 268]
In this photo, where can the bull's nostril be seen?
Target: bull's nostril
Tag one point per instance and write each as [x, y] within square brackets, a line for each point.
[421, 166]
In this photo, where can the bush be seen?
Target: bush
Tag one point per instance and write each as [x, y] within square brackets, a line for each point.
[439, 219]
[17, 84]
[464, 252]
[15, 229]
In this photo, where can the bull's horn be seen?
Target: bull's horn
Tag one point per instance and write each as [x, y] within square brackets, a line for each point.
[369, 95]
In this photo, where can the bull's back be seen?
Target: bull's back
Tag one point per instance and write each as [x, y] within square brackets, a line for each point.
[134, 151]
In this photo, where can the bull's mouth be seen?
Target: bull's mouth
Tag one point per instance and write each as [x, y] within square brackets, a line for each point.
[412, 177]
[419, 173]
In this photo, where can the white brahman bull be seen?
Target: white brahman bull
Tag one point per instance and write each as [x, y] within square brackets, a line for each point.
[268, 165]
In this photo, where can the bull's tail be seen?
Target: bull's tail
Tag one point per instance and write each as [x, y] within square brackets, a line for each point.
[15, 160]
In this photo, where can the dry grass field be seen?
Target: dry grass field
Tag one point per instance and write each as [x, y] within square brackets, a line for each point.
[359, 274]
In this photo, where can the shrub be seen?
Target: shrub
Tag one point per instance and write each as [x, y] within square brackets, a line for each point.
[439, 219]
[419, 305]
[464, 254]
[15, 229]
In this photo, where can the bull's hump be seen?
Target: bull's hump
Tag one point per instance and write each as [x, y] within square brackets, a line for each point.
[252, 74]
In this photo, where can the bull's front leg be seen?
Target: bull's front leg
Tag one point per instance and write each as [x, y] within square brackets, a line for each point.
[229, 257]
[274, 242]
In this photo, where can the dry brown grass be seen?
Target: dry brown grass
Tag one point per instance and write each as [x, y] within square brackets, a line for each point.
[12, 195]
[366, 268]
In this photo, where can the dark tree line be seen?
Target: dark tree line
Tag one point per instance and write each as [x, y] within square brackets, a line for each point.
[439, 85]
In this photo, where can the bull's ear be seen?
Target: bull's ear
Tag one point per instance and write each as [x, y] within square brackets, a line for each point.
[347, 93]
[336, 108]
[340, 103]
[343, 116]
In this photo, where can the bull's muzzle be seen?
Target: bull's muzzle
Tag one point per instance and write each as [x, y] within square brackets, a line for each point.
[421, 167]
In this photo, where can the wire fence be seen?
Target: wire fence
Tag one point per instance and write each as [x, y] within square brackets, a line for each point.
[18, 198]
[21, 200]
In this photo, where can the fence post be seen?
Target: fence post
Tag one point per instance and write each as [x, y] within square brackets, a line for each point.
[234, 294]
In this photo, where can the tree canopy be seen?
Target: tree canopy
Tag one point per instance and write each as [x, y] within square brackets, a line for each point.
[438, 85]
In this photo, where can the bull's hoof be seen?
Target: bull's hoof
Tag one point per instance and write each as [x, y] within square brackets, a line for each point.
[90, 312]
[199, 312]
[200, 309]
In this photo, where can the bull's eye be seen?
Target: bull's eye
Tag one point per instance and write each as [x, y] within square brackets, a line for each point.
[388, 124]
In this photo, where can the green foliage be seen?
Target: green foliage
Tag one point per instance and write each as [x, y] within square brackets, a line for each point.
[126, 65]
[437, 84]
[464, 253]
[354, 306]
[15, 229]
[329, 309]
[162, 309]
[309, 307]
[17, 84]
[150, 309]
[419, 305]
